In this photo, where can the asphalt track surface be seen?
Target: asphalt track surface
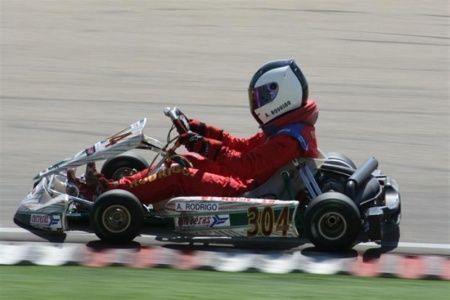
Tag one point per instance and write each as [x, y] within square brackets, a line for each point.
[73, 72]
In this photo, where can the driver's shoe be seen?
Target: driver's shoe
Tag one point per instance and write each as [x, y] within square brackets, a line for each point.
[93, 185]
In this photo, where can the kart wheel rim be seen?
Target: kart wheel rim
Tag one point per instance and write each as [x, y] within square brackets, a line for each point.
[122, 172]
[116, 218]
[332, 226]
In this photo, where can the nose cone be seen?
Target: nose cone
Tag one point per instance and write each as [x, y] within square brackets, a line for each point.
[21, 218]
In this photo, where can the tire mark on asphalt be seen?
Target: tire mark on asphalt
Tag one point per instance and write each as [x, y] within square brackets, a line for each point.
[60, 130]
[371, 140]
[163, 104]
[435, 16]
[420, 168]
[295, 10]
[390, 42]
[388, 33]
[143, 102]
[385, 112]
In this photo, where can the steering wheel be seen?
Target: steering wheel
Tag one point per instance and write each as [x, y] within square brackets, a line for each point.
[179, 119]
[181, 123]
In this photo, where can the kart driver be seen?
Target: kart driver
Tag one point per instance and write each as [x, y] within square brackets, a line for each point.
[228, 166]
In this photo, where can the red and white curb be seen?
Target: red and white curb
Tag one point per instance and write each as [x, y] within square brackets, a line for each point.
[229, 260]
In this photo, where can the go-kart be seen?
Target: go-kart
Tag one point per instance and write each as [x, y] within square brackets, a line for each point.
[327, 200]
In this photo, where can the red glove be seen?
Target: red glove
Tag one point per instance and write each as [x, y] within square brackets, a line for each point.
[206, 130]
[194, 142]
[197, 126]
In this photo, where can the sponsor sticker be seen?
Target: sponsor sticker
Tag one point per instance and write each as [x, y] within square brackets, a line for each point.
[239, 200]
[89, 151]
[214, 221]
[41, 220]
[196, 206]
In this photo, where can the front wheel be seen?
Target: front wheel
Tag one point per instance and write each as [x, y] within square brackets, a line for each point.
[123, 165]
[332, 221]
[117, 216]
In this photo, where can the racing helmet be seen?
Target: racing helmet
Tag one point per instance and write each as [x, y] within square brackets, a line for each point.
[277, 88]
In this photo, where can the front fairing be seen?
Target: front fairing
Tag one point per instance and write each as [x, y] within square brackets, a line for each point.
[48, 205]
[126, 139]
[43, 209]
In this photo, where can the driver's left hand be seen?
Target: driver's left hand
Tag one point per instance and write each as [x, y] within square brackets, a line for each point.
[197, 126]
[191, 140]
[195, 142]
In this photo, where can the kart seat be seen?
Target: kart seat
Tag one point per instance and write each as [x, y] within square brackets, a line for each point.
[276, 186]
[286, 182]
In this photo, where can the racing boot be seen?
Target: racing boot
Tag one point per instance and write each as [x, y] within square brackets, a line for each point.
[72, 183]
[94, 183]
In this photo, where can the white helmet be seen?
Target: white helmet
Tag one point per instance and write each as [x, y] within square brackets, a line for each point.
[276, 88]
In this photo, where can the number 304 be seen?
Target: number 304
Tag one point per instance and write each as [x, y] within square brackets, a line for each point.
[262, 222]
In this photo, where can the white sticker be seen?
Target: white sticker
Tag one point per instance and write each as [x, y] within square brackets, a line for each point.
[41, 220]
[203, 221]
[197, 206]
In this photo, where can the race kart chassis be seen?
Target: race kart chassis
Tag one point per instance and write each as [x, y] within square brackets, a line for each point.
[341, 204]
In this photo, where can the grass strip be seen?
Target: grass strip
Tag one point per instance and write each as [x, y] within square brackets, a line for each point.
[76, 282]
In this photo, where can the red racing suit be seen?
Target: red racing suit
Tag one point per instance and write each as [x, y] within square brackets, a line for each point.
[239, 164]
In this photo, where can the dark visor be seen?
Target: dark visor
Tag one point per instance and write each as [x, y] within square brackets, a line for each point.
[263, 94]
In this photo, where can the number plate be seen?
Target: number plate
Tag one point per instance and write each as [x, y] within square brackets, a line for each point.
[243, 217]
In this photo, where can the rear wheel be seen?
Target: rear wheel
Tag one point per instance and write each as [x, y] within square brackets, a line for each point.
[332, 221]
[117, 216]
[124, 165]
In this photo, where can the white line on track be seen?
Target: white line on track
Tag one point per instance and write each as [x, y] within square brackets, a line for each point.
[12, 230]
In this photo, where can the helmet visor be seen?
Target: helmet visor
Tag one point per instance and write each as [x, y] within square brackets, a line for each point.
[263, 94]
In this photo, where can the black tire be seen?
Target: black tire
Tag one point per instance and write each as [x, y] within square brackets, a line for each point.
[341, 159]
[117, 216]
[332, 222]
[123, 165]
